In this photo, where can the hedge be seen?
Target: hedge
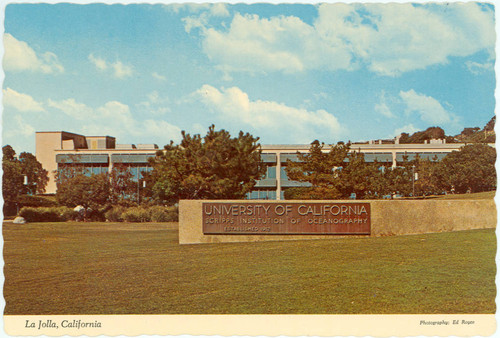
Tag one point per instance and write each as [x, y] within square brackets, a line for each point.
[53, 214]
[115, 214]
[143, 214]
[10, 208]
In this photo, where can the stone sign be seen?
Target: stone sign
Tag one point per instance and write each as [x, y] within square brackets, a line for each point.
[277, 218]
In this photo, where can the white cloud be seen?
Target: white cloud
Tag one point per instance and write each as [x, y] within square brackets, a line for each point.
[219, 9]
[160, 129]
[216, 9]
[278, 44]
[72, 108]
[321, 95]
[383, 108]
[227, 77]
[98, 62]
[23, 127]
[155, 104]
[409, 128]
[118, 68]
[18, 132]
[268, 117]
[19, 127]
[19, 56]
[191, 22]
[477, 68]
[158, 76]
[115, 118]
[122, 70]
[428, 108]
[204, 13]
[21, 102]
[388, 39]
[115, 110]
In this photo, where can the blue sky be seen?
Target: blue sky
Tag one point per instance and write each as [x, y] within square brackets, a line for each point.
[286, 73]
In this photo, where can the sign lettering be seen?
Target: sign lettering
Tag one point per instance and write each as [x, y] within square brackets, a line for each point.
[286, 218]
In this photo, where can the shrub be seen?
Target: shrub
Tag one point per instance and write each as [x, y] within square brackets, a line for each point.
[37, 201]
[136, 214]
[67, 214]
[10, 208]
[142, 214]
[53, 214]
[115, 214]
[164, 214]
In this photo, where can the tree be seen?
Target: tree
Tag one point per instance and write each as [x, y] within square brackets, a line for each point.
[37, 177]
[12, 179]
[472, 168]
[123, 188]
[321, 169]
[9, 153]
[14, 173]
[421, 136]
[91, 192]
[216, 166]
[360, 177]
[426, 182]
[70, 169]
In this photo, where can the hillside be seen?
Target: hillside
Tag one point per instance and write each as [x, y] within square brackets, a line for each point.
[468, 135]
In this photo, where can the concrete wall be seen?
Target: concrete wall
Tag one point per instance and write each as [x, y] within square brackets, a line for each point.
[388, 217]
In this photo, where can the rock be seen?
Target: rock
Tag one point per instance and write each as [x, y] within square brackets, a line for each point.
[19, 220]
[79, 208]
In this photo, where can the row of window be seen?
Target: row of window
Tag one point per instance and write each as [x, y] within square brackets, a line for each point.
[263, 195]
[271, 173]
[96, 169]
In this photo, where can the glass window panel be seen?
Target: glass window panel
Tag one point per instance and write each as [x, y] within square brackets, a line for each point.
[272, 194]
[271, 172]
[134, 172]
[87, 171]
[254, 195]
[96, 170]
[284, 176]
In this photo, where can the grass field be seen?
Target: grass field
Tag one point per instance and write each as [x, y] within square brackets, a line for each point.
[474, 196]
[107, 268]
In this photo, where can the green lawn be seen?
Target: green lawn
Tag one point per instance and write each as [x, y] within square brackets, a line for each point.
[113, 268]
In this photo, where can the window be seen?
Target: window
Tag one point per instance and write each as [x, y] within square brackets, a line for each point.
[272, 194]
[271, 172]
[263, 195]
[134, 171]
[284, 176]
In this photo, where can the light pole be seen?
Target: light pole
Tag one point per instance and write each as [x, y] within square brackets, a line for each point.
[138, 192]
[413, 179]
[138, 189]
[25, 183]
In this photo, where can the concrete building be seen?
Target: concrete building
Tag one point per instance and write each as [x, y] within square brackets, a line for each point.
[98, 154]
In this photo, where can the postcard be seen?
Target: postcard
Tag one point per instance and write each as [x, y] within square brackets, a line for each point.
[257, 169]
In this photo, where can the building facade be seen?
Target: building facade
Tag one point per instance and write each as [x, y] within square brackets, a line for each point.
[98, 154]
